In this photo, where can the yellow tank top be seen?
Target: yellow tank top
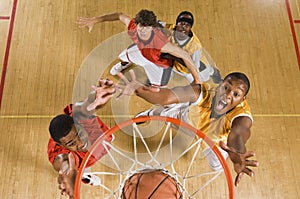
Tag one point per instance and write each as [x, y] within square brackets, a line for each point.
[191, 46]
[216, 129]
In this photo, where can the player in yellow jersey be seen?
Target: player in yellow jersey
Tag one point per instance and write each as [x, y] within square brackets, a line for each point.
[223, 115]
[182, 35]
[149, 44]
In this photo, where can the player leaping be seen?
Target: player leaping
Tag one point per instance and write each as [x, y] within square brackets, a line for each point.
[150, 42]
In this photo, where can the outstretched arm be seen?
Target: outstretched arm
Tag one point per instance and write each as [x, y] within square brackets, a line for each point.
[165, 96]
[100, 95]
[162, 96]
[180, 53]
[236, 148]
[67, 177]
[90, 22]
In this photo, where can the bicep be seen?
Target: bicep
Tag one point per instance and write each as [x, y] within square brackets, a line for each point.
[241, 128]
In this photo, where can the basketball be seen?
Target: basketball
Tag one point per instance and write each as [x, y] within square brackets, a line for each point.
[154, 184]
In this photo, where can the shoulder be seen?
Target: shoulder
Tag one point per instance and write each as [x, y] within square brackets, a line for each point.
[240, 112]
[131, 24]
[196, 39]
[195, 43]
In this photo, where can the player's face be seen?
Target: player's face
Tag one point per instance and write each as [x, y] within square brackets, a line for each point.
[76, 140]
[183, 28]
[144, 32]
[229, 94]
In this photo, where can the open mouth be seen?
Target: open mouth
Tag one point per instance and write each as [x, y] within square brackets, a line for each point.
[84, 148]
[85, 145]
[182, 33]
[221, 105]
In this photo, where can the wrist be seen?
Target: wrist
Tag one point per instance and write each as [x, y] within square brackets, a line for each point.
[138, 90]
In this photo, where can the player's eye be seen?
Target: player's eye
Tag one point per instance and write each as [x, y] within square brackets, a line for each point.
[71, 144]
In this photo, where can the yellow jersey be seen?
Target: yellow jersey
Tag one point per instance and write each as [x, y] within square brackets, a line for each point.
[192, 45]
[217, 129]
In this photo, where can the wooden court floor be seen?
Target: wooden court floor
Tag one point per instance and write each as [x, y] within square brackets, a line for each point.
[42, 51]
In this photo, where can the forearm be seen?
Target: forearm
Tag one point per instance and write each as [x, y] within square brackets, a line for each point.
[180, 94]
[163, 97]
[191, 66]
[185, 56]
[113, 17]
[238, 143]
[108, 17]
[80, 110]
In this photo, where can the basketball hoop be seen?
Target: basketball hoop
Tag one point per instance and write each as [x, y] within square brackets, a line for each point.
[167, 164]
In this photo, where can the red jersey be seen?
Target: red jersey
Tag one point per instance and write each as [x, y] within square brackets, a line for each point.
[95, 128]
[150, 49]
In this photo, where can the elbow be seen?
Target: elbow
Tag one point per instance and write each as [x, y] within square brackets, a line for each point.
[119, 14]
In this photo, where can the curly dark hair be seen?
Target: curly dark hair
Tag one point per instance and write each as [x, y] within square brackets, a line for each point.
[146, 18]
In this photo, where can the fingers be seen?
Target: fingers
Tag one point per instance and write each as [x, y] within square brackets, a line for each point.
[90, 29]
[238, 179]
[62, 185]
[101, 99]
[252, 163]
[85, 22]
[239, 176]
[121, 76]
[124, 78]
[65, 186]
[100, 92]
[249, 154]
[60, 178]
[105, 82]
[81, 19]
[249, 172]
[104, 87]
[132, 75]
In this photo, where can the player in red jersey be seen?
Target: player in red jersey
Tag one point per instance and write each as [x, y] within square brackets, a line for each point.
[150, 42]
[73, 133]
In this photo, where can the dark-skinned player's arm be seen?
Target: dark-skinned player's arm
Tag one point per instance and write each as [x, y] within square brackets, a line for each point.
[161, 96]
[67, 178]
[165, 96]
[236, 147]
